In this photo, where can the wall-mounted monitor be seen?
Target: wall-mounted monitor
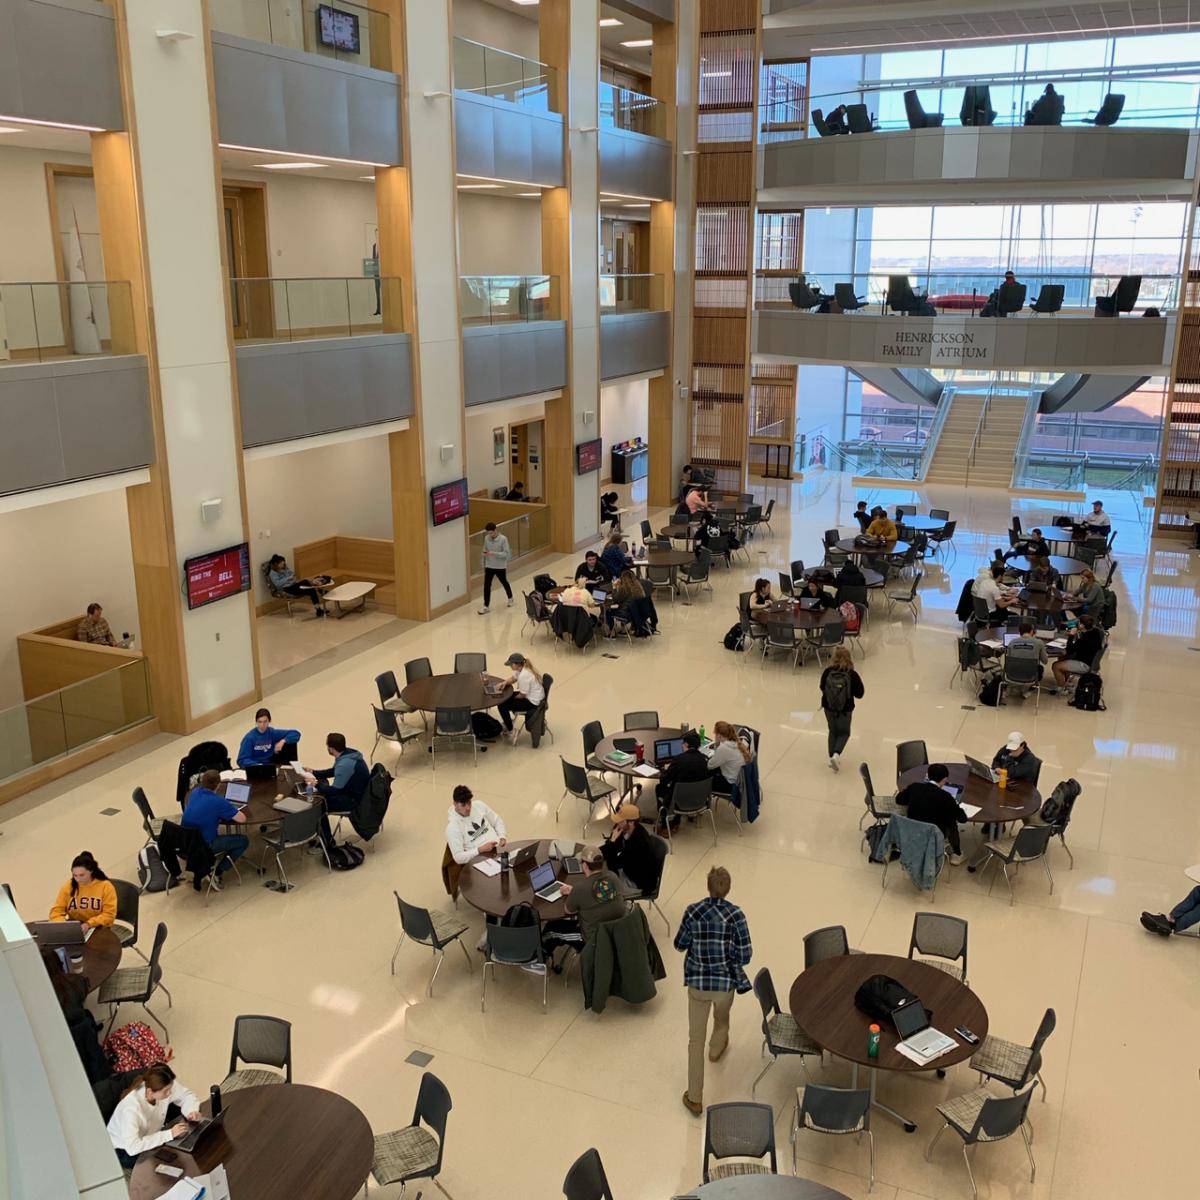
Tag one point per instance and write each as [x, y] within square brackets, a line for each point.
[449, 501]
[337, 29]
[588, 456]
[213, 576]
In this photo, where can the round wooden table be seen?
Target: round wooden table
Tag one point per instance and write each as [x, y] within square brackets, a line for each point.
[923, 524]
[847, 546]
[277, 1143]
[495, 894]
[260, 808]
[1064, 566]
[1043, 602]
[656, 557]
[766, 1187]
[806, 618]
[97, 959]
[996, 806]
[453, 691]
[822, 1004]
[993, 640]
[684, 532]
[647, 737]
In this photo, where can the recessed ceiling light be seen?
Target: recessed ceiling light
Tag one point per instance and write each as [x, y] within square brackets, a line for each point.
[642, 204]
[51, 124]
[462, 187]
[609, 22]
[639, 44]
[529, 195]
[369, 178]
[324, 158]
[526, 3]
[291, 166]
[10, 129]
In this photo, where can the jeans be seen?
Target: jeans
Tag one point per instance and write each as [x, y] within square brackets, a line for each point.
[230, 845]
[950, 833]
[699, 1003]
[299, 589]
[518, 704]
[839, 730]
[490, 573]
[336, 802]
[1187, 912]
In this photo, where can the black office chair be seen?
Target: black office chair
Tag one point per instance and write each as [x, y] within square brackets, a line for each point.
[818, 120]
[1123, 298]
[586, 1179]
[977, 105]
[847, 301]
[901, 298]
[803, 296]
[1047, 109]
[859, 119]
[918, 118]
[1109, 112]
[1010, 298]
[1049, 298]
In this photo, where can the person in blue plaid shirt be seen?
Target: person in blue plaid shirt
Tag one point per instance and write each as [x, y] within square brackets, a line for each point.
[716, 939]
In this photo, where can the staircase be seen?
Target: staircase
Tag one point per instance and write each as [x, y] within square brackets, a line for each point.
[996, 451]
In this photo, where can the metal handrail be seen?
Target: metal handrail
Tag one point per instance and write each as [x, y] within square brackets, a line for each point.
[935, 431]
[1135, 479]
[1024, 438]
[979, 428]
[849, 459]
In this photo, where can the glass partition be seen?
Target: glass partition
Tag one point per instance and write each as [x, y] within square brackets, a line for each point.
[528, 532]
[486, 71]
[41, 322]
[623, 108]
[631, 293]
[290, 310]
[343, 31]
[498, 299]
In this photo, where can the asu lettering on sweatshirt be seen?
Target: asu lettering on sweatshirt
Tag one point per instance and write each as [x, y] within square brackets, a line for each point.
[94, 903]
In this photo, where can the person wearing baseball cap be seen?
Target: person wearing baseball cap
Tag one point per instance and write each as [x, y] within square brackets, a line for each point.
[629, 851]
[1017, 759]
[528, 691]
[599, 897]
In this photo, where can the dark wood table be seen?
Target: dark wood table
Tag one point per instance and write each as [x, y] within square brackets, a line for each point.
[495, 894]
[657, 557]
[996, 806]
[453, 691]
[260, 808]
[1043, 602]
[765, 1187]
[993, 640]
[647, 737]
[1064, 566]
[847, 546]
[96, 959]
[277, 1142]
[686, 532]
[822, 1004]
[786, 614]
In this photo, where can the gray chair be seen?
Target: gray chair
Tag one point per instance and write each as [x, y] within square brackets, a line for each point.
[1011, 1063]
[940, 514]
[577, 783]
[388, 728]
[647, 719]
[909, 755]
[696, 574]
[1049, 298]
[766, 517]
[977, 105]
[979, 1116]
[751, 632]
[859, 119]
[659, 579]
[821, 944]
[1122, 299]
[690, 798]
[389, 693]
[739, 1131]
[586, 1179]
[593, 735]
[904, 593]
[785, 583]
[1110, 110]
[417, 668]
[433, 928]
[468, 662]
[918, 118]
[825, 637]
[835, 1111]
[844, 297]
[878, 806]
[415, 1152]
[781, 1034]
[970, 659]
[150, 823]
[126, 924]
[780, 636]
[259, 1040]
[135, 985]
[514, 946]
[941, 940]
[1029, 845]
[1022, 668]
[797, 570]
[536, 612]
[295, 830]
[452, 726]
[661, 848]
[905, 510]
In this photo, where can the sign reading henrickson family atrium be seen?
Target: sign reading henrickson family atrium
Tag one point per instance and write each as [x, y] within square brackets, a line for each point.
[938, 344]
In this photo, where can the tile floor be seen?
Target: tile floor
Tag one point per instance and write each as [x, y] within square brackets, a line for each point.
[1121, 1106]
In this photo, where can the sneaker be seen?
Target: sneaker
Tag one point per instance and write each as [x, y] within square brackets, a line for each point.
[510, 603]
[1157, 923]
[720, 1054]
[481, 945]
[534, 968]
[957, 860]
[834, 765]
[483, 612]
[692, 1107]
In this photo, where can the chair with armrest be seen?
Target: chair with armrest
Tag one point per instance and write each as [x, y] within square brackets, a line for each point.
[802, 295]
[918, 118]
[1049, 298]
[1122, 299]
[847, 301]
[977, 105]
[818, 120]
[900, 296]
[1010, 298]
[1109, 112]
[859, 119]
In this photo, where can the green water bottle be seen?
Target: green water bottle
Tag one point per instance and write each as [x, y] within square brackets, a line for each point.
[703, 739]
[873, 1042]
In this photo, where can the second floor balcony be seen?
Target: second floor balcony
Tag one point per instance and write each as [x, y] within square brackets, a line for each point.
[345, 32]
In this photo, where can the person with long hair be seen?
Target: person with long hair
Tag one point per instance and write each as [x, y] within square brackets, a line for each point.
[729, 755]
[761, 596]
[613, 556]
[155, 1108]
[87, 896]
[841, 685]
[528, 692]
[627, 590]
[284, 581]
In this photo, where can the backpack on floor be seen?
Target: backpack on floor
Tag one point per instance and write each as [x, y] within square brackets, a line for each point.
[486, 727]
[733, 640]
[152, 875]
[835, 691]
[989, 694]
[133, 1047]
[345, 858]
[1089, 693]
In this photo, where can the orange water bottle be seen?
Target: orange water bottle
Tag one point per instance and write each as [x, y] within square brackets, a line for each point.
[1002, 782]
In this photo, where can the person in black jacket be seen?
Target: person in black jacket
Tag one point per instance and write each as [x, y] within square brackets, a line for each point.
[592, 570]
[690, 767]
[1082, 648]
[841, 685]
[861, 515]
[813, 591]
[1017, 759]
[629, 851]
[928, 800]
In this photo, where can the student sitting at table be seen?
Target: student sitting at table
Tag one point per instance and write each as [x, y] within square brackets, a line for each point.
[1033, 546]
[87, 896]
[988, 588]
[1097, 520]
[626, 591]
[205, 812]
[592, 570]
[729, 755]
[1017, 759]
[1082, 648]
[883, 527]
[576, 594]
[613, 557]
[597, 898]
[150, 1114]
[629, 851]
[265, 744]
[528, 692]
[1088, 596]
[928, 800]
[690, 767]
[472, 827]
[814, 592]
[1040, 571]
[861, 515]
[761, 597]
[516, 492]
[344, 784]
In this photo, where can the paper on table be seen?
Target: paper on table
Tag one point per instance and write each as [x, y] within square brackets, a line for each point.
[487, 866]
[646, 770]
[972, 810]
[922, 1059]
[183, 1189]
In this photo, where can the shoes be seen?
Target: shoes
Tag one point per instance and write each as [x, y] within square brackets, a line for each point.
[834, 763]
[1157, 923]
[510, 603]
[483, 612]
[957, 860]
[534, 968]
[320, 612]
[481, 945]
[720, 1054]
[692, 1107]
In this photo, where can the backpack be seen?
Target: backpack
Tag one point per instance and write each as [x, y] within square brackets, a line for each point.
[733, 640]
[835, 690]
[543, 583]
[1108, 608]
[850, 617]
[1089, 693]
[1055, 804]
[485, 727]
[520, 915]
[133, 1047]
[880, 996]
[152, 875]
[345, 858]
[989, 694]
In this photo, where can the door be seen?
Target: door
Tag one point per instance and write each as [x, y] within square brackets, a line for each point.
[235, 255]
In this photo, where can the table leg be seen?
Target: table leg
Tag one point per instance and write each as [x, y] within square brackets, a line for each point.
[909, 1126]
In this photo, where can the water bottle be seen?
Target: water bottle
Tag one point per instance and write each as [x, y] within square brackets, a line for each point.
[873, 1042]
[214, 1094]
[683, 727]
[1002, 782]
[703, 739]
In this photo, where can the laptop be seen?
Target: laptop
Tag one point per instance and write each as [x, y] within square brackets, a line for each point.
[914, 1030]
[981, 769]
[1009, 638]
[57, 933]
[292, 804]
[666, 750]
[808, 603]
[1037, 585]
[599, 595]
[261, 771]
[237, 793]
[564, 851]
[199, 1129]
[545, 886]
[953, 789]
[526, 854]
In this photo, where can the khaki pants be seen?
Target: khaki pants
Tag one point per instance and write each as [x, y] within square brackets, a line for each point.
[698, 1005]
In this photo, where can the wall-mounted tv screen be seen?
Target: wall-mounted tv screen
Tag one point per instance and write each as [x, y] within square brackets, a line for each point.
[210, 577]
[587, 456]
[337, 28]
[449, 501]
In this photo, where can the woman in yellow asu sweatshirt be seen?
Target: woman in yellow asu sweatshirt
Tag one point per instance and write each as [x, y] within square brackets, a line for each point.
[88, 897]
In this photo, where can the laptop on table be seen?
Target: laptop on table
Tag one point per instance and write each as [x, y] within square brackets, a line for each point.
[808, 603]
[545, 885]
[667, 750]
[237, 793]
[261, 771]
[57, 933]
[915, 1031]
[980, 769]
[198, 1130]
[524, 856]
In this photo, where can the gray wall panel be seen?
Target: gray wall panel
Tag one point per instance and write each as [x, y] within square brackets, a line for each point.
[58, 62]
[633, 164]
[280, 99]
[70, 420]
[631, 343]
[292, 390]
[497, 140]
[518, 359]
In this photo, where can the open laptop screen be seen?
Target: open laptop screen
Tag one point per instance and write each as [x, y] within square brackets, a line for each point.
[668, 748]
[910, 1019]
[542, 876]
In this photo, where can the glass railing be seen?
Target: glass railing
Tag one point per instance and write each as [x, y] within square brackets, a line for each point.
[526, 533]
[292, 310]
[868, 458]
[487, 71]
[631, 293]
[499, 299]
[55, 724]
[41, 322]
[347, 32]
[623, 108]
[967, 290]
[1161, 102]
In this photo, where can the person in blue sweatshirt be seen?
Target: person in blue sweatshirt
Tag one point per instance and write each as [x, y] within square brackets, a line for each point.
[343, 784]
[265, 744]
[206, 811]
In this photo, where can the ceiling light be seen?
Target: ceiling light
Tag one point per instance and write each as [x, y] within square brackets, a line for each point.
[623, 196]
[640, 204]
[462, 187]
[525, 3]
[529, 183]
[1109, 30]
[368, 178]
[51, 124]
[291, 166]
[530, 195]
[609, 22]
[325, 158]
[639, 43]
[10, 129]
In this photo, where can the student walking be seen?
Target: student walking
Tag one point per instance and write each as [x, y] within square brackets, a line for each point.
[841, 685]
[496, 553]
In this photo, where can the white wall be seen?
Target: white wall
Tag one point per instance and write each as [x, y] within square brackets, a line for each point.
[481, 471]
[71, 553]
[286, 510]
[504, 29]
[624, 415]
[498, 235]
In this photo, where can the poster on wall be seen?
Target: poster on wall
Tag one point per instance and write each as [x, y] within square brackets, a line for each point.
[936, 343]
[497, 446]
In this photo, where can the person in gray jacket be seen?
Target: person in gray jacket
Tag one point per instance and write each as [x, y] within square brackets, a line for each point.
[496, 553]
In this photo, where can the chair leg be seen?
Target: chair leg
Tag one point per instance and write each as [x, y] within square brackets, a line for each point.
[970, 1173]
[440, 955]
[466, 954]
[483, 991]
[397, 951]
[870, 1161]
[759, 1076]
[1029, 1150]
[936, 1138]
[1012, 899]
[155, 1019]
[1067, 848]
[1046, 865]
[654, 905]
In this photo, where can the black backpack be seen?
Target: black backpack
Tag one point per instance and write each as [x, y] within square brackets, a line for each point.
[989, 694]
[486, 727]
[880, 996]
[1059, 801]
[543, 583]
[520, 915]
[1108, 610]
[733, 640]
[835, 691]
[345, 858]
[367, 817]
[1089, 693]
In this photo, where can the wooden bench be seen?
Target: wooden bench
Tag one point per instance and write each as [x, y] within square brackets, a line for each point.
[345, 559]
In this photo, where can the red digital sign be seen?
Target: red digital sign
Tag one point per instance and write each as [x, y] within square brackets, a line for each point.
[587, 456]
[449, 501]
[211, 577]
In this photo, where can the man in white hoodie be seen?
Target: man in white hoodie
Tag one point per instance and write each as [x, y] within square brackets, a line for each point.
[472, 827]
